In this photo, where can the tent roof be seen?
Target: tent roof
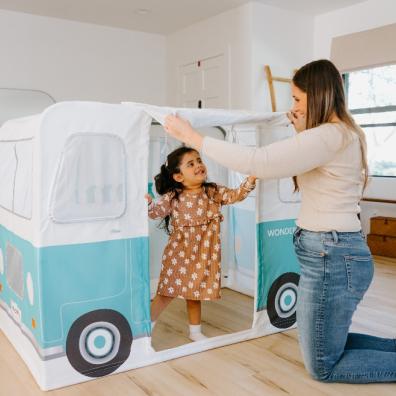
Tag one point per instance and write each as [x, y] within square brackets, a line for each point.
[27, 127]
[201, 118]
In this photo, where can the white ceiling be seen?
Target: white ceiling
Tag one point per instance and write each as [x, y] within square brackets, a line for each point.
[165, 16]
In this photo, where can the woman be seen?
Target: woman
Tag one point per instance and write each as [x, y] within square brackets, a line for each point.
[327, 159]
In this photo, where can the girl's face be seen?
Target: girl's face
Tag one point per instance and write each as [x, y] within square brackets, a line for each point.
[299, 100]
[192, 170]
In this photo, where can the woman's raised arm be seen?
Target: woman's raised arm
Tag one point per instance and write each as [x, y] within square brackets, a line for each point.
[305, 151]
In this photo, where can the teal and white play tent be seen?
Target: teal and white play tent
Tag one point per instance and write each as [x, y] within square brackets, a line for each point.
[76, 265]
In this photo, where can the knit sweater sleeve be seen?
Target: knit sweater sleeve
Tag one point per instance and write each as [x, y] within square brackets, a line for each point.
[301, 153]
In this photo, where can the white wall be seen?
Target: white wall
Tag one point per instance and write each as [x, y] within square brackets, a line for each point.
[229, 33]
[364, 16]
[283, 40]
[72, 60]
[253, 35]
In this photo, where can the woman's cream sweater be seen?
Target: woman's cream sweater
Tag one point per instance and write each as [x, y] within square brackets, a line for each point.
[328, 165]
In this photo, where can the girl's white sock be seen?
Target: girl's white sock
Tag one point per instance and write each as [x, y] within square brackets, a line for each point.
[196, 333]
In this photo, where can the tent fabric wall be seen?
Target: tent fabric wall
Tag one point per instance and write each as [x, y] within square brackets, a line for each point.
[278, 268]
[242, 227]
[89, 278]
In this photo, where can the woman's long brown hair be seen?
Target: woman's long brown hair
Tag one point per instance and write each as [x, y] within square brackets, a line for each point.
[323, 84]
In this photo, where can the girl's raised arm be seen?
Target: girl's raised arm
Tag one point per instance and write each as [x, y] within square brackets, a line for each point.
[228, 196]
[161, 208]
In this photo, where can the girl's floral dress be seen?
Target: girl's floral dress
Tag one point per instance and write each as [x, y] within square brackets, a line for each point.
[191, 262]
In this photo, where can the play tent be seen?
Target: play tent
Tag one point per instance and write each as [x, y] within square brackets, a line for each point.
[76, 265]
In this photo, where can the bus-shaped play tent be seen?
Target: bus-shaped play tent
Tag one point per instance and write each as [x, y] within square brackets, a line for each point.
[75, 246]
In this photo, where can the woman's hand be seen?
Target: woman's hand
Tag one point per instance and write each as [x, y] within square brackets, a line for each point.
[298, 120]
[252, 179]
[182, 130]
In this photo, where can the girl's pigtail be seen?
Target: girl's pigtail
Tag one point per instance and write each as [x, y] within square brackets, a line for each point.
[165, 183]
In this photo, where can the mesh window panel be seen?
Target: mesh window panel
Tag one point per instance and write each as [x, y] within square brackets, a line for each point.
[14, 269]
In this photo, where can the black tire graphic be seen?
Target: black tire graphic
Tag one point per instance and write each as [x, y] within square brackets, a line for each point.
[99, 342]
[282, 300]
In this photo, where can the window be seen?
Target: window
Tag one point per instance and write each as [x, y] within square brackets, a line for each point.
[16, 172]
[23, 179]
[371, 96]
[14, 269]
[7, 174]
[91, 179]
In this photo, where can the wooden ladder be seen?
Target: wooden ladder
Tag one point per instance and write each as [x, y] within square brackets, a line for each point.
[271, 79]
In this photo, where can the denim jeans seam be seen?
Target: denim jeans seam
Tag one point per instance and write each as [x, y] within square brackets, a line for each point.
[348, 275]
[325, 268]
[319, 336]
[373, 375]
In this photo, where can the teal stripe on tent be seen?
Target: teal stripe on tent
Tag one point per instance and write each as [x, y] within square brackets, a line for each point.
[275, 255]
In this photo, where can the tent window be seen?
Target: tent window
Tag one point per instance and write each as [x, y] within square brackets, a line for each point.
[23, 179]
[16, 171]
[7, 174]
[14, 269]
[91, 179]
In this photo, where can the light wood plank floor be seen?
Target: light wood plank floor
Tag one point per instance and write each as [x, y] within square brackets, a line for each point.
[232, 313]
[269, 365]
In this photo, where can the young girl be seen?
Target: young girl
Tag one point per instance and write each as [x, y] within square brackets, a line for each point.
[191, 212]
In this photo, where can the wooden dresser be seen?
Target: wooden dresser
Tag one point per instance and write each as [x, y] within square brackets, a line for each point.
[382, 237]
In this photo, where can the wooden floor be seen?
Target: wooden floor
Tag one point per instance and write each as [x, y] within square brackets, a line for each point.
[269, 365]
[232, 313]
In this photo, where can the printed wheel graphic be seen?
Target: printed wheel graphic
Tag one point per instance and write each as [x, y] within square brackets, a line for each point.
[282, 300]
[99, 342]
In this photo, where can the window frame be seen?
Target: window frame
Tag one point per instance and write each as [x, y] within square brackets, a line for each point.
[12, 209]
[55, 183]
[368, 110]
[11, 264]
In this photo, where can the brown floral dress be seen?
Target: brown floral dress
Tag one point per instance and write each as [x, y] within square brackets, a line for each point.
[191, 262]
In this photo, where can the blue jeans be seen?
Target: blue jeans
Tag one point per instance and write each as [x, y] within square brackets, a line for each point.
[336, 271]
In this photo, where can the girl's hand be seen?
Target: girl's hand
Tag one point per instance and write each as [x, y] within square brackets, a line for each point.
[149, 199]
[182, 130]
[252, 179]
[298, 120]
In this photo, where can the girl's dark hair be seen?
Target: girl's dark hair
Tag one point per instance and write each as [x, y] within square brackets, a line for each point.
[323, 84]
[165, 183]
